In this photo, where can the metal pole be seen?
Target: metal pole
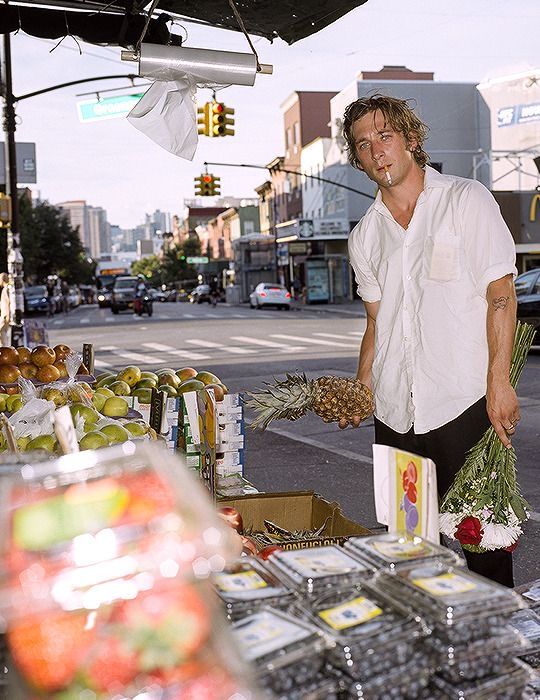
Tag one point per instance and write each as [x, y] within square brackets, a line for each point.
[14, 255]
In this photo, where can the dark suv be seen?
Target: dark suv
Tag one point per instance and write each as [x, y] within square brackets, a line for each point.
[123, 293]
[528, 299]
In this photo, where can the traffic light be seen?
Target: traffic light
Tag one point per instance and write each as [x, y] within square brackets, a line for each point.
[207, 185]
[229, 121]
[203, 120]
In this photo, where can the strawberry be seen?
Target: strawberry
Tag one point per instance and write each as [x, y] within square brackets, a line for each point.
[49, 648]
[113, 667]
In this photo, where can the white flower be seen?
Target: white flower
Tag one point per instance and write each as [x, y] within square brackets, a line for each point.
[497, 536]
[493, 475]
[448, 523]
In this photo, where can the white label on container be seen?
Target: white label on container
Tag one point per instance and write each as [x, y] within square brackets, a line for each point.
[350, 614]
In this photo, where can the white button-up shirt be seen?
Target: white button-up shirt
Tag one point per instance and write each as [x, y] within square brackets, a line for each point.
[431, 351]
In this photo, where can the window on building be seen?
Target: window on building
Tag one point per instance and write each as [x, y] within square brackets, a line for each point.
[296, 128]
[249, 227]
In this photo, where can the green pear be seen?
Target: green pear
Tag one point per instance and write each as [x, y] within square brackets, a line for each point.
[120, 388]
[104, 391]
[135, 429]
[98, 401]
[14, 403]
[144, 395]
[93, 440]
[115, 407]
[42, 442]
[131, 375]
[115, 432]
[106, 381]
[88, 413]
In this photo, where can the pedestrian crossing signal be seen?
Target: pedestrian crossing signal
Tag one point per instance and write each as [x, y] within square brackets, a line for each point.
[207, 185]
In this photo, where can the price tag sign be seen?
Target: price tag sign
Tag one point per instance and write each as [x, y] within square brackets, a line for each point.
[65, 430]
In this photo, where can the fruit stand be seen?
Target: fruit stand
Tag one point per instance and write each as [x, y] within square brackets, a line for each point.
[138, 562]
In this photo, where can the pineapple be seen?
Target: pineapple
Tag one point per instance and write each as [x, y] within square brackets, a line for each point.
[331, 398]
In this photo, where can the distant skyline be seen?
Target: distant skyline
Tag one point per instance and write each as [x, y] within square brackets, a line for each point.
[112, 165]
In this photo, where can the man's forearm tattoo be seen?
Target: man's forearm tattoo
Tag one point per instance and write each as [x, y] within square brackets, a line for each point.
[500, 302]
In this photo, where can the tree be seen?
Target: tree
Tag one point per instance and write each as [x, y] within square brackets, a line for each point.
[50, 246]
[151, 268]
[175, 266]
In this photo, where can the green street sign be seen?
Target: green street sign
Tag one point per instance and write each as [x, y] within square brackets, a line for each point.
[201, 260]
[107, 108]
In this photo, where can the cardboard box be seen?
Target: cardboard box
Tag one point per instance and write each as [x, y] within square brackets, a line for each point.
[296, 510]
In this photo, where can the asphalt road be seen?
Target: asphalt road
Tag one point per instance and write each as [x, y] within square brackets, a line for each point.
[247, 347]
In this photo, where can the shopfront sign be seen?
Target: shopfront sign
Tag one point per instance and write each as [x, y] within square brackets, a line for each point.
[518, 114]
[298, 248]
[318, 288]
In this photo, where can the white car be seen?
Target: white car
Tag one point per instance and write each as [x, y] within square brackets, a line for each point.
[270, 294]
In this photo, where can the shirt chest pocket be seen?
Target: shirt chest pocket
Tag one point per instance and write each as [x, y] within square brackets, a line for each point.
[442, 257]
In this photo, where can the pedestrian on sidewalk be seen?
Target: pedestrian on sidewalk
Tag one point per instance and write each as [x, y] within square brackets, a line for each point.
[64, 290]
[5, 310]
[434, 263]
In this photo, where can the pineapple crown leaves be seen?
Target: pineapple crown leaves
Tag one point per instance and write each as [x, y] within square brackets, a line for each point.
[287, 398]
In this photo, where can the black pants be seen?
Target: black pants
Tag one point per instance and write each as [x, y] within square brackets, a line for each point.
[447, 446]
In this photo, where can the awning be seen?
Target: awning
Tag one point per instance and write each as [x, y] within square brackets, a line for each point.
[120, 22]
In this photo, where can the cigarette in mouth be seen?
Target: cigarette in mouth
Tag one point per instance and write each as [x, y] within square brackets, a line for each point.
[388, 176]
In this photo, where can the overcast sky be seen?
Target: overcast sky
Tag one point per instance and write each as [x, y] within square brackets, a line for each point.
[111, 164]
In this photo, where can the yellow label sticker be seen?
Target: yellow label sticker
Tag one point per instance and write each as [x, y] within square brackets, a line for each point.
[350, 614]
[242, 581]
[403, 550]
[444, 584]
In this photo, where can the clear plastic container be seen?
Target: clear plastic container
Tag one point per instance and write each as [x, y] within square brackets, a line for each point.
[371, 635]
[311, 570]
[457, 604]
[475, 660]
[527, 622]
[248, 585]
[531, 593]
[403, 682]
[320, 688]
[287, 652]
[509, 684]
[391, 550]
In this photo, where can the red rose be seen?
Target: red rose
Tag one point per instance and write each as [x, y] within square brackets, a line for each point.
[469, 531]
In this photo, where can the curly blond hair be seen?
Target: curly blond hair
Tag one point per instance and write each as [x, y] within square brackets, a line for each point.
[398, 113]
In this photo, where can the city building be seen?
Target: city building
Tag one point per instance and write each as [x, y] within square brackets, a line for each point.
[92, 224]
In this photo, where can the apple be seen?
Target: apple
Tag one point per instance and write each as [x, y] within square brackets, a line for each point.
[208, 378]
[105, 391]
[57, 396]
[115, 432]
[61, 351]
[93, 440]
[186, 373]
[98, 401]
[144, 395]
[130, 374]
[135, 429]
[28, 370]
[115, 407]
[14, 403]
[43, 355]
[190, 385]
[88, 413]
[120, 388]
[48, 374]
[232, 517]
[42, 442]
[61, 367]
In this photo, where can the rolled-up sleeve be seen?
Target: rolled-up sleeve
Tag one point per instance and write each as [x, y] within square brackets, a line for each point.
[489, 246]
[367, 287]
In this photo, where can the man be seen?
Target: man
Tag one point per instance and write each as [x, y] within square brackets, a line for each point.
[5, 310]
[434, 263]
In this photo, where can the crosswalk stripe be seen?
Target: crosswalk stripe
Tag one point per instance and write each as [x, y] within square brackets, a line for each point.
[100, 363]
[210, 344]
[177, 353]
[133, 356]
[188, 316]
[238, 316]
[266, 343]
[84, 320]
[355, 333]
[56, 323]
[333, 335]
[316, 341]
[109, 319]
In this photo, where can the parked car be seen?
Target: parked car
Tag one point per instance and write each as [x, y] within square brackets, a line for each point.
[200, 293]
[74, 297]
[270, 294]
[35, 299]
[123, 293]
[528, 299]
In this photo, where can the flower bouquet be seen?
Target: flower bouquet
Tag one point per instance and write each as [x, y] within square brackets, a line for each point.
[484, 508]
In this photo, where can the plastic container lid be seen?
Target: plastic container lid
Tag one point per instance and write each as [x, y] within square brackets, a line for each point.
[311, 570]
[527, 623]
[272, 639]
[247, 585]
[395, 549]
[531, 593]
[513, 679]
[448, 595]
[403, 681]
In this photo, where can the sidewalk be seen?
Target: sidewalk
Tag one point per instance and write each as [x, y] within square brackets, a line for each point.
[350, 308]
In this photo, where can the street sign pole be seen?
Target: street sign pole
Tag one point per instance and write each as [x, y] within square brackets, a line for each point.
[14, 255]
